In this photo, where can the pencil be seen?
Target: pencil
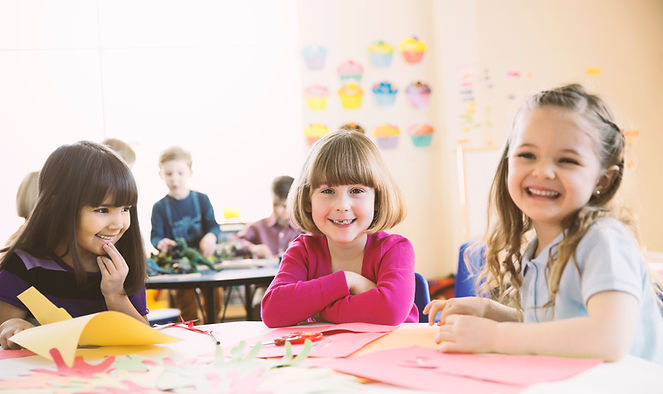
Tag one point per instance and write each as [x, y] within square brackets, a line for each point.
[214, 337]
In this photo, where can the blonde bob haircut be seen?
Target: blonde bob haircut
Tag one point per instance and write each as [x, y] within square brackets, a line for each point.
[346, 158]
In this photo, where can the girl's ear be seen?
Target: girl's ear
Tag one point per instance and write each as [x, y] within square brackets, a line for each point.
[607, 178]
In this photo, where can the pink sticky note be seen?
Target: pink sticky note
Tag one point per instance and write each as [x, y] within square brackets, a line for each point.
[339, 340]
[5, 354]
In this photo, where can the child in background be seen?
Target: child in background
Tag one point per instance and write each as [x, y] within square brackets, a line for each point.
[270, 237]
[183, 213]
[123, 149]
[26, 198]
[348, 269]
[81, 247]
[582, 278]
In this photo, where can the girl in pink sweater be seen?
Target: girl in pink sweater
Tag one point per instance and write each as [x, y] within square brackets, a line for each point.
[347, 269]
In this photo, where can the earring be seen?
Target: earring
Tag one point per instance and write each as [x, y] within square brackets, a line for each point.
[598, 192]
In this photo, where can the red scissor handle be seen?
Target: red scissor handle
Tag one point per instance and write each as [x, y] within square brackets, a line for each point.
[298, 338]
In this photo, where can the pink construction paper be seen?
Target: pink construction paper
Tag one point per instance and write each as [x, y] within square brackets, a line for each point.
[508, 372]
[5, 354]
[340, 340]
[413, 378]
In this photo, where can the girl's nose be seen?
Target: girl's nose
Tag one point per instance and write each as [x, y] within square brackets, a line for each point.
[343, 203]
[544, 169]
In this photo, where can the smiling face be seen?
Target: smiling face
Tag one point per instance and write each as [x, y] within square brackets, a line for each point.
[553, 167]
[343, 212]
[99, 225]
[176, 174]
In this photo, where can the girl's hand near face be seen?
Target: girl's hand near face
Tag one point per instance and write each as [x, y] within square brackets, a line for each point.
[114, 270]
[9, 328]
[357, 283]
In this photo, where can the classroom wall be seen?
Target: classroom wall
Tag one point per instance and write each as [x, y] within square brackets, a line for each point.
[225, 80]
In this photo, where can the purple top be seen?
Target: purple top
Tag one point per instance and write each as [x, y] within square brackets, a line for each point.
[305, 285]
[268, 232]
[57, 281]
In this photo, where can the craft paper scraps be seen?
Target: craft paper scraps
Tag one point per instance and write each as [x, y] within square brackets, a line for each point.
[339, 340]
[108, 328]
[5, 354]
[41, 308]
[80, 367]
[424, 368]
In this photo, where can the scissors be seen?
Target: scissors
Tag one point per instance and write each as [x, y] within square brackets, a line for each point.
[295, 338]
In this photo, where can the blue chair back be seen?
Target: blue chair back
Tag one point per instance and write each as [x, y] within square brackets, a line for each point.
[421, 295]
[465, 282]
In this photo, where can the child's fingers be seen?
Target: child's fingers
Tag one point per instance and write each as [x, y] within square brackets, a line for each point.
[103, 266]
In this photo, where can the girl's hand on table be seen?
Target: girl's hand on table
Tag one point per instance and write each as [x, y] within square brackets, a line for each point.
[10, 327]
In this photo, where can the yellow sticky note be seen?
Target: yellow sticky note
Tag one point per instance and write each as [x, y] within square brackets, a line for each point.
[108, 328]
[42, 308]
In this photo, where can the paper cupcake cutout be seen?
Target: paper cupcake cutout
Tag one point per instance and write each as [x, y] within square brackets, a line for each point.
[418, 94]
[380, 54]
[385, 93]
[387, 136]
[314, 132]
[421, 134]
[350, 71]
[350, 95]
[314, 56]
[412, 50]
[316, 97]
[352, 126]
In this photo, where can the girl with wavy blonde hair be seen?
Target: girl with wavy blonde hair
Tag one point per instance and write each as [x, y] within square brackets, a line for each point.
[581, 277]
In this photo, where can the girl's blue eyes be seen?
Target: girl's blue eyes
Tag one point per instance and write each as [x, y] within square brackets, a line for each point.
[355, 190]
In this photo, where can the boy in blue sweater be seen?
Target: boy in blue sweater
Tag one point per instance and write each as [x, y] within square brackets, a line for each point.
[183, 213]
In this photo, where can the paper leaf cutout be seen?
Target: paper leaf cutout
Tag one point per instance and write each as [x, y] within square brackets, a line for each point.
[80, 367]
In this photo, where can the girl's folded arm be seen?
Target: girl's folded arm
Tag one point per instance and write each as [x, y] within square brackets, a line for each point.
[606, 333]
[291, 298]
[390, 301]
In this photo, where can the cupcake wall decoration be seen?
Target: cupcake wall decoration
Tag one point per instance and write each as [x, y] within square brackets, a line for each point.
[418, 94]
[387, 136]
[314, 132]
[381, 53]
[314, 57]
[350, 95]
[316, 97]
[421, 134]
[385, 93]
[412, 50]
[350, 71]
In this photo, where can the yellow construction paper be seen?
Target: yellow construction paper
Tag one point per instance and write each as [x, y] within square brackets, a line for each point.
[108, 328]
[42, 309]
[402, 337]
[58, 330]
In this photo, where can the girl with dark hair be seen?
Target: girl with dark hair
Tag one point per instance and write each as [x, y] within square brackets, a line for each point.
[81, 247]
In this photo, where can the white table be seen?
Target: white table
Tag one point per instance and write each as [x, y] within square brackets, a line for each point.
[631, 375]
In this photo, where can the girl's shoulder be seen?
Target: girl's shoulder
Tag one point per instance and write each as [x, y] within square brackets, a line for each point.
[607, 234]
[385, 239]
[31, 262]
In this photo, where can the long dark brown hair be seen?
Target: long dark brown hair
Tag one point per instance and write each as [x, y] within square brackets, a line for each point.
[501, 276]
[74, 176]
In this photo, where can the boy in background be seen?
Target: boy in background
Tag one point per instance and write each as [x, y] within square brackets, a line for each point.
[183, 213]
[271, 236]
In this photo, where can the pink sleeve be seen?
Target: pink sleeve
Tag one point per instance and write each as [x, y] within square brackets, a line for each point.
[292, 297]
[391, 302]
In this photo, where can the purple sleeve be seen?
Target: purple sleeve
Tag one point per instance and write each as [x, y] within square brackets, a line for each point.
[292, 297]
[248, 236]
[139, 302]
[392, 301]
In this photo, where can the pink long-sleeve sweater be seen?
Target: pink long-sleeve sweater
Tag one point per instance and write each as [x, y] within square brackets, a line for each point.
[305, 285]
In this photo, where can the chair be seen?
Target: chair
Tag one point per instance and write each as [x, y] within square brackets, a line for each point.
[465, 281]
[421, 295]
